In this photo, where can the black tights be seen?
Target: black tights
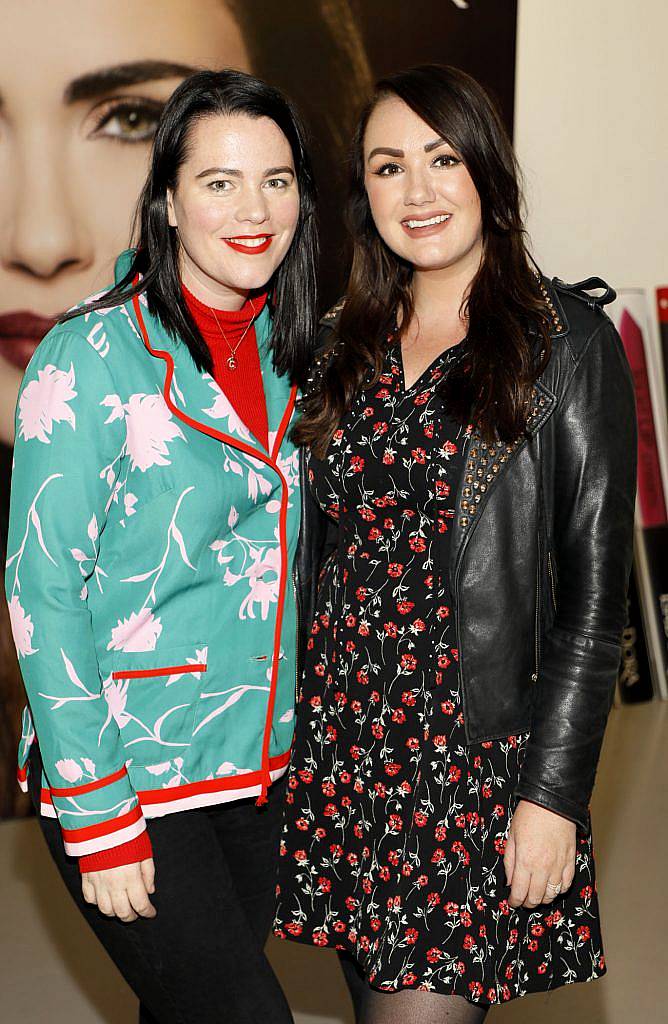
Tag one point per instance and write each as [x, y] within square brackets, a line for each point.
[407, 1007]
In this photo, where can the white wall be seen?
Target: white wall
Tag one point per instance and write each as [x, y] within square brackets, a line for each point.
[591, 134]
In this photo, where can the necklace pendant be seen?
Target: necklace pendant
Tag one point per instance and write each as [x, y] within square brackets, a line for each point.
[232, 363]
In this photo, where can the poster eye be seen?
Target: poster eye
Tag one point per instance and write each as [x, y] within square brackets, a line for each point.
[134, 121]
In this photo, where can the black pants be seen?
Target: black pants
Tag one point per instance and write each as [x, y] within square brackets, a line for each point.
[201, 959]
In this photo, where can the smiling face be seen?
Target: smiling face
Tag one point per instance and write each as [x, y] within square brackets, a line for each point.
[79, 102]
[235, 207]
[423, 200]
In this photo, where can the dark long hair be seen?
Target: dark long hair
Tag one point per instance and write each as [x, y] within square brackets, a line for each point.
[504, 307]
[293, 286]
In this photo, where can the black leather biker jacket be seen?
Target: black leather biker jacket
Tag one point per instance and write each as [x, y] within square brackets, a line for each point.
[541, 553]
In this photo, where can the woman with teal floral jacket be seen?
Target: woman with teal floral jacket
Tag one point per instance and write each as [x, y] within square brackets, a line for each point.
[152, 533]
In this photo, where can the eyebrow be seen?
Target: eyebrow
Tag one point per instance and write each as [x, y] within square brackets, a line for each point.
[220, 170]
[239, 174]
[105, 80]
[385, 151]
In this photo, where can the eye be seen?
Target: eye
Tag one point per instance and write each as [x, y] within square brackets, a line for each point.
[388, 170]
[220, 185]
[446, 160]
[127, 120]
[276, 183]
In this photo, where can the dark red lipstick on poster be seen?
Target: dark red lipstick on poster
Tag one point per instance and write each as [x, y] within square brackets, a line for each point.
[20, 334]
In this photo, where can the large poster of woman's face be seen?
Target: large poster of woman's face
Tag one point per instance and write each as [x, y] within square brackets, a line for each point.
[81, 89]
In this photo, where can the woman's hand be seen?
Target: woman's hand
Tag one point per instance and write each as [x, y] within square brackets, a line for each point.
[122, 892]
[540, 855]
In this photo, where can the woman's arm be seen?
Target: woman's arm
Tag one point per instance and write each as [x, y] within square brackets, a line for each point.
[66, 461]
[594, 493]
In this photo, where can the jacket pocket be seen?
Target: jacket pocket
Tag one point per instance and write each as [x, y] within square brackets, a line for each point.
[153, 697]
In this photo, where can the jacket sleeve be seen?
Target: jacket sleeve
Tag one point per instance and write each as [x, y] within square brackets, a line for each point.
[132, 852]
[67, 458]
[594, 496]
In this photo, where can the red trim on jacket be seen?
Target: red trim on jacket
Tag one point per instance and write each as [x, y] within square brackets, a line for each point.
[256, 453]
[147, 673]
[245, 781]
[173, 794]
[88, 787]
[283, 541]
[133, 852]
[103, 828]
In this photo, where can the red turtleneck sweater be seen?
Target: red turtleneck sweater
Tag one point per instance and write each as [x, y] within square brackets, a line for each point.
[245, 389]
[243, 386]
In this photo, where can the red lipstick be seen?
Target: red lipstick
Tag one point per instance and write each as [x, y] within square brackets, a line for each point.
[20, 334]
[240, 243]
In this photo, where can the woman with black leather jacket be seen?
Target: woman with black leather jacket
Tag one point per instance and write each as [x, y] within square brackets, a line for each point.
[469, 481]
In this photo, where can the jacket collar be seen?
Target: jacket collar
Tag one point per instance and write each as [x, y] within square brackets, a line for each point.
[194, 396]
[486, 463]
[559, 327]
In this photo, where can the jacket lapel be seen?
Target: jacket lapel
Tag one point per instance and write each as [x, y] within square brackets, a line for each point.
[196, 399]
[486, 463]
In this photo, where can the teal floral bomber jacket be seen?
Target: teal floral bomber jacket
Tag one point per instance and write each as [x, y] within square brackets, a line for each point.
[148, 577]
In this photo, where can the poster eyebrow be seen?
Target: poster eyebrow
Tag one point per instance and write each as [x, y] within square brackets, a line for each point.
[97, 83]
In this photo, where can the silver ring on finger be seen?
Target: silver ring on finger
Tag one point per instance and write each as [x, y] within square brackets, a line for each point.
[555, 887]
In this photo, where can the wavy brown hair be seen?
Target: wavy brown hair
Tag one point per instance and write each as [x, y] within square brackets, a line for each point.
[508, 339]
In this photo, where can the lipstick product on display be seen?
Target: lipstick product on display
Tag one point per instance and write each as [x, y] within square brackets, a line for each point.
[662, 310]
[631, 316]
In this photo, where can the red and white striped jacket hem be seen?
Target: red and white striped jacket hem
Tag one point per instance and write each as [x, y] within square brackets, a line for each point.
[154, 803]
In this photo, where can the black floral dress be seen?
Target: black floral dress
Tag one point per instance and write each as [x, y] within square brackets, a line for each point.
[395, 829]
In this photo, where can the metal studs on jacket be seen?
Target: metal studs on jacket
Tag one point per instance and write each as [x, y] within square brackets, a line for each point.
[484, 460]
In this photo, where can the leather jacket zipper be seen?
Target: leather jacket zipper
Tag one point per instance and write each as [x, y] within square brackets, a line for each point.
[534, 677]
[552, 587]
